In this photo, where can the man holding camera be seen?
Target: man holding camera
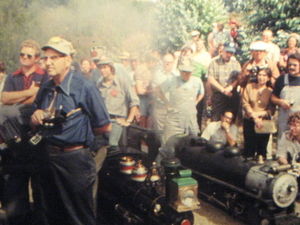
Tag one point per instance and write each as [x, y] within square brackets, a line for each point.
[286, 92]
[258, 61]
[68, 172]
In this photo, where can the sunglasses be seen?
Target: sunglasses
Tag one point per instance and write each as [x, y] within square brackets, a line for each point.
[27, 55]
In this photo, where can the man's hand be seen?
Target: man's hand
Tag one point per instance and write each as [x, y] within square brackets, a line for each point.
[37, 117]
[282, 160]
[123, 122]
[225, 126]
[258, 122]
[228, 91]
[285, 104]
[33, 89]
[137, 115]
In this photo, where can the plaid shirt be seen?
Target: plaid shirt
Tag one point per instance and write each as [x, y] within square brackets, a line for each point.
[224, 72]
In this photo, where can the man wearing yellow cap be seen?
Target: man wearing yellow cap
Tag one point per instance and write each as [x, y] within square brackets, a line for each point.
[68, 173]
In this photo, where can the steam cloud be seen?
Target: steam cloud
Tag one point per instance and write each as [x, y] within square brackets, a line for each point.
[118, 25]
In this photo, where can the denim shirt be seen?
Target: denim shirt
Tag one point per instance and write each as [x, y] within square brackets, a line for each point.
[73, 93]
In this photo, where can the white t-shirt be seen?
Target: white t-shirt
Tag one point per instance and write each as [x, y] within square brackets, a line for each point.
[214, 133]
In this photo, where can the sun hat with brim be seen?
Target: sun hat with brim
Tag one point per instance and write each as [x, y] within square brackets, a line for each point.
[258, 46]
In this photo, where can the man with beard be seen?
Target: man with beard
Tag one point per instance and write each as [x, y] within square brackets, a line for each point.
[286, 92]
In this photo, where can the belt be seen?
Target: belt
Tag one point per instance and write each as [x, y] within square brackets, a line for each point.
[55, 148]
[115, 117]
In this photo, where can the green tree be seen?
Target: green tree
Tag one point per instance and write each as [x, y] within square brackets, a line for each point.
[13, 30]
[282, 17]
[177, 18]
[272, 14]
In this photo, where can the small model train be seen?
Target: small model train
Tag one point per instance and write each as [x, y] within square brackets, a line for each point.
[132, 194]
[134, 191]
[258, 193]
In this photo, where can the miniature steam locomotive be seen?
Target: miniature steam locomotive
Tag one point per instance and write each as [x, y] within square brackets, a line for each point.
[258, 193]
[132, 194]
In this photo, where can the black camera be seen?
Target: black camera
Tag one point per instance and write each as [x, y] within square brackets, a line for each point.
[52, 120]
[253, 72]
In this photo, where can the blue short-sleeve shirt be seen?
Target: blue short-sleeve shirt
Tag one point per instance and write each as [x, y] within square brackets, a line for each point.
[75, 92]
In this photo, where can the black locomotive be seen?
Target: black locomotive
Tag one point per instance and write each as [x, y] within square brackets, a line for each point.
[133, 194]
[256, 192]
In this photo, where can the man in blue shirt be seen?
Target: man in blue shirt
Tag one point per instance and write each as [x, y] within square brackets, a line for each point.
[69, 170]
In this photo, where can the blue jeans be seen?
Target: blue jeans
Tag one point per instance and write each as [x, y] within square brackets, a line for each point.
[115, 134]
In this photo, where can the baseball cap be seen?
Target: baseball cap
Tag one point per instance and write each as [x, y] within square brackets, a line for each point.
[104, 61]
[61, 45]
[186, 68]
[229, 47]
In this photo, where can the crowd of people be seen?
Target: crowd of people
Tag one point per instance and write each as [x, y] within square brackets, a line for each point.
[194, 91]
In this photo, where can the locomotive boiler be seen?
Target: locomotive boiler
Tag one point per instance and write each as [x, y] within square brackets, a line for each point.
[258, 193]
[131, 193]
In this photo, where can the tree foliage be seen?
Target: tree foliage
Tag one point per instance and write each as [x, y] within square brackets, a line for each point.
[13, 29]
[177, 18]
[271, 14]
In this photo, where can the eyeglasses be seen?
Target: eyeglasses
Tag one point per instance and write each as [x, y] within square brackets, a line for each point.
[53, 57]
[27, 55]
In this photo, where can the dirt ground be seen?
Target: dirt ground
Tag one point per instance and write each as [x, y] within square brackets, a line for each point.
[210, 215]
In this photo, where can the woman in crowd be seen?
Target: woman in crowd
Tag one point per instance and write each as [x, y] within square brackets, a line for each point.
[256, 102]
[86, 68]
[292, 48]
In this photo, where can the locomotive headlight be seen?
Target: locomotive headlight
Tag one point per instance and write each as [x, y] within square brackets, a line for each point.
[185, 198]
[183, 194]
[284, 190]
[188, 198]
